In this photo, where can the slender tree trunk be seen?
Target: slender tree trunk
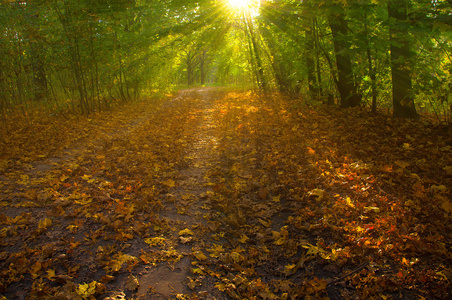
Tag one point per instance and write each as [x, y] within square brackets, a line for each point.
[402, 94]
[345, 84]
[310, 64]
[318, 70]
[78, 73]
[190, 68]
[202, 66]
[37, 54]
[310, 47]
[372, 70]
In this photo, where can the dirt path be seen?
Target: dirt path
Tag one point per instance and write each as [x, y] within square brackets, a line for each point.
[185, 205]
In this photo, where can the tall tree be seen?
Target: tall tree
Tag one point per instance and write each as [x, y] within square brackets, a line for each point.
[402, 90]
[37, 50]
[339, 29]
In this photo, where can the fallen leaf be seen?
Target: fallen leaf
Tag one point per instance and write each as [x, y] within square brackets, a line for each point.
[185, 240]
[169, 183]
[44, 224]
[132, 283]
[199, 255]
[155, 241]
[186, 231]
[447, 206]
[243, 239]
[349, 202]
[319, 193]
[87, 290]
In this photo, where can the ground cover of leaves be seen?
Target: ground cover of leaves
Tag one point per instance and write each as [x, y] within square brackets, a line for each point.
[220, 195]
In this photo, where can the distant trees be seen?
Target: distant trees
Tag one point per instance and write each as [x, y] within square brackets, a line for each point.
[82, 55]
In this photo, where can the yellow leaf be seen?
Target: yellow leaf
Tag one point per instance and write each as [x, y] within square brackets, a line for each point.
[216, 250]
[199, 255]
[349, 202]
[44, 224]
[185, 239]
[86, 177]
[235, 167]
[290, 269]
[243, 239]
[186, 231]
[447, 206]
[74, 245]
[265, 223]
[371, 208]
[197, 271]
[236, 257]
[405, 261]
[72, 228]
[115, 265]
[84, 201]
[50, 274]
[276, 198]
[87, 290]
[281, 237]
[407, 146]
[415, 176]
[317, 193]
[317, 284]
[132, 283]
[154, 241]
[169, 183]
[314, 250]
[35, 269]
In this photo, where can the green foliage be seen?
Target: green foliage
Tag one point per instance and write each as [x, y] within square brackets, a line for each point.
[87, 55]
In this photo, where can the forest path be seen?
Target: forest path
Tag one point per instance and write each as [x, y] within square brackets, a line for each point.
[214, 194]
[185, 205]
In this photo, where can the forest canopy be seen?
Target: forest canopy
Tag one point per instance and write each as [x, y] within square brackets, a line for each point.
[86, 55]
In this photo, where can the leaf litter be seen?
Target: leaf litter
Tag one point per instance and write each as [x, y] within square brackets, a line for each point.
[226, 195]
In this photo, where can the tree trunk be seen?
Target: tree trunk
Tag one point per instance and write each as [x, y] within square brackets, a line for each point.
[310, 64]
[345, 84]
[309, 25]
[402, 94]
[189, 69]
[202, 66]
[372, 70]
[40, 90]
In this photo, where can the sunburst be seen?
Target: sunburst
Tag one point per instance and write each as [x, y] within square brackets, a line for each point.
[249, 5]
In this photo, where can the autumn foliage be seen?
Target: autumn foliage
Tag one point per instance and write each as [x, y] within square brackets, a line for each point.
[248, 196]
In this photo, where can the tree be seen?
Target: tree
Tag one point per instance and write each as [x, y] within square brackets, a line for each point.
[402, 90]
[345, 84]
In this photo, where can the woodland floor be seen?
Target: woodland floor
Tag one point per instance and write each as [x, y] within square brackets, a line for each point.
[218, 195]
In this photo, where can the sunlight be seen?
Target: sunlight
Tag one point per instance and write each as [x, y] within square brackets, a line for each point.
[245, 5]
[238, 4]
